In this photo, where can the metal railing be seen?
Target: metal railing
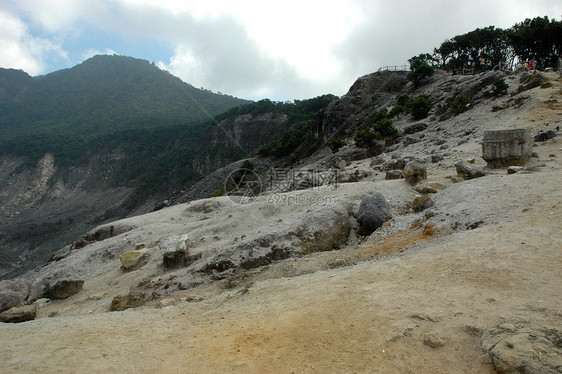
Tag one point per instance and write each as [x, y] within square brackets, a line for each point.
[395, 68]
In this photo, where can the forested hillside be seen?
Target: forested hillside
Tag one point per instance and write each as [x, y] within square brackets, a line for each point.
[70, 112]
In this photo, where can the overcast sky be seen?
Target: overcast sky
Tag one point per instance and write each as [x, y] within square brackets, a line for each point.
[252, 49]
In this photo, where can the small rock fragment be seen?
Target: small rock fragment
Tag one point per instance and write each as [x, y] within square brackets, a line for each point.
[434, 341]
[514, 169]
[468, 171]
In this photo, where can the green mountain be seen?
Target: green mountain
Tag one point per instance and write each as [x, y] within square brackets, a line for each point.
[104, 93]
[66, 112]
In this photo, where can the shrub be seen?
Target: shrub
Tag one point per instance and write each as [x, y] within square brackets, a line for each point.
[396, 111]
[366, 137]
[420, 106]
[384, 127]
[379, 115]
[459, 104]
[381, 127]
[500, 87]
[247, 164]
[403, 100]
[335, 144]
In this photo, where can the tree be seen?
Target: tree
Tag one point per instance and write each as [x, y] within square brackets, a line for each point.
[420, 69]
[420, 106]
[538, 38]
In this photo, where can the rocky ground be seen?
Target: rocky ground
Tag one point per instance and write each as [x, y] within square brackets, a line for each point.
[286, 284]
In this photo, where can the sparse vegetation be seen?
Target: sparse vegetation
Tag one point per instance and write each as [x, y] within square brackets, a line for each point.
[500, 87]
[420, 106]
[381, 127]
[288, 142]
[459, 104]
[335, 144]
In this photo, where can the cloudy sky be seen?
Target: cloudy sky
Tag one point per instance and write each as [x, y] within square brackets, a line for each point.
[282, 50]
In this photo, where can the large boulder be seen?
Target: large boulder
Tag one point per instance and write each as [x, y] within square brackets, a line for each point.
[9, 299]
[506, 147]
[524, 350]
[63, 289]
[414, 171]
[101, 233]
[19, 314]
[174, 252]
[374, 211]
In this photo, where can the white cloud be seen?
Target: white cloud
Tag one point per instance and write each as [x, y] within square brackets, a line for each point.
[20, 50]
[290, 49]
[91, 52]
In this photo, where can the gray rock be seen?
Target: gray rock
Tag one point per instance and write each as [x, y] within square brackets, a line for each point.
[468, 171]
[544, 136]
[376, 161]
[506, 147]
[64, 288]
[374, 211]
[524, 350]
[421, 203]
[414, 128]
[434, 341]
[394, 174]
[60, 254]
[397, 164]
[101, 233]
[133, 260]
[174, 252]
[10, 299]
[19, 314]
[336, 162]
[436, 158]
[410, 140]
[414, 171]
[514, 169]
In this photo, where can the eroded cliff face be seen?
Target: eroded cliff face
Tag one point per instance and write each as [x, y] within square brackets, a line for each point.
[247, 132]
[21, 190]
[43, 208]
[346, 114]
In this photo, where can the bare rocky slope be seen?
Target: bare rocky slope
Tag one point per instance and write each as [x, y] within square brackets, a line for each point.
[285, 283]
